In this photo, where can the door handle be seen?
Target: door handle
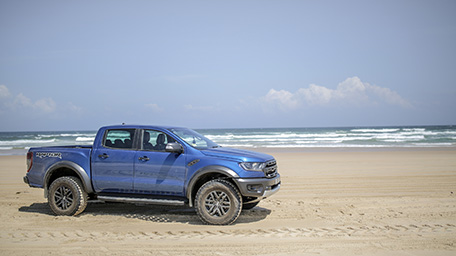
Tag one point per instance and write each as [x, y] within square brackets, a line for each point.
[104, 156]
[144, 158]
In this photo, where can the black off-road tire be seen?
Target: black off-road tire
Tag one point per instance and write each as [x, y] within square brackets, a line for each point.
[218, 202]
[66, 196]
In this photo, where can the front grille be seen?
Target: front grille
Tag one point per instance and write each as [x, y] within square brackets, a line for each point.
[271, 169]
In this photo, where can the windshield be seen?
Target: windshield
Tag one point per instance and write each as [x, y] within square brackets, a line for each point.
[194, 139]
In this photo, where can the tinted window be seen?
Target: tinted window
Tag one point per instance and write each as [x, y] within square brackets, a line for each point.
[155, 140]
[119, 138]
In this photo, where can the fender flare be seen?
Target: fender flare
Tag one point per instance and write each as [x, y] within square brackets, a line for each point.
[203, 171]
[80, 172]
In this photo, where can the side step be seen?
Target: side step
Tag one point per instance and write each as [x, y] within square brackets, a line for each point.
[141, 200]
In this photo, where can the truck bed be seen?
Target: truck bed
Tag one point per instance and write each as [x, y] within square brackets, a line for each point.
[45, 158]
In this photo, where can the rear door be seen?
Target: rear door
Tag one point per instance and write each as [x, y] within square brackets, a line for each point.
[156, 171]
[113, 162]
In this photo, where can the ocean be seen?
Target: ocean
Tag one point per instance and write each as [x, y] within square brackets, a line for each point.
[17, 143]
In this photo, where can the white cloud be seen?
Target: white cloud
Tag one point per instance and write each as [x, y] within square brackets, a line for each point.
[46, 105]
[73, 108]
[284, 99]
[4, 92]
[20, 101]
[190, 107]
[154, 107]
[389, 96]
[315, 94]
[352, 91]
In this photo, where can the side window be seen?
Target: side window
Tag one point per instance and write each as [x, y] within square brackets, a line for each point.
[155, 140]
[119, 138]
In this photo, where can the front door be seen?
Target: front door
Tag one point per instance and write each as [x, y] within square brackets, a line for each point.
[156, 171]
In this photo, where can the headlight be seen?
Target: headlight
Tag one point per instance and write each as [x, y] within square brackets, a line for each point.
[252, 166]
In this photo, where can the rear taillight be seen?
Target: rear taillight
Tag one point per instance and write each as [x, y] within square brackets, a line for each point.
[29, 161]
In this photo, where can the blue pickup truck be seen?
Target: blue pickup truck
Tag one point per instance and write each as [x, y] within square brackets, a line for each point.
[153, 165]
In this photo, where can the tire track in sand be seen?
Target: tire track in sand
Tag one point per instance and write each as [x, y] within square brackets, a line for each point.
[80, 235]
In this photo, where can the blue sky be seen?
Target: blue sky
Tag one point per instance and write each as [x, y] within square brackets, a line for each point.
[77, 65]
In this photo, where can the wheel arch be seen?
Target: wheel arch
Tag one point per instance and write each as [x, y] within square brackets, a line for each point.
[67, 168]
[206, 174]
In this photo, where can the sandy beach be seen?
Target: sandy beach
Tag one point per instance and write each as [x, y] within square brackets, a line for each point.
[378, 202]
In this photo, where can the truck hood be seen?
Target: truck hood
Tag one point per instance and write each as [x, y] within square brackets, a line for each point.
[238, 155]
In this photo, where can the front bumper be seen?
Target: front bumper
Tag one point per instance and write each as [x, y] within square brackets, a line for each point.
[259, 187]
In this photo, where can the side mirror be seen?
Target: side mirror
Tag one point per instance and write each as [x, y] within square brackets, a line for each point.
[174, 147]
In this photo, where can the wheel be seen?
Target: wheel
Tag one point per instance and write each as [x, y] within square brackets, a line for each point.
[249, 206]
[67, 197]
[218, 202]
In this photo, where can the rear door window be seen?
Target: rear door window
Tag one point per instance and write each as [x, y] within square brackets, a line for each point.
[122, 138]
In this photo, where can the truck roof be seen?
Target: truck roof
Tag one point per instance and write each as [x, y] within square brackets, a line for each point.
[135, 126]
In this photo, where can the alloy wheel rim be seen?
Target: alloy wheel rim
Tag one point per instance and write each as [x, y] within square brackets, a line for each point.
[63, 197]
[217, 203]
